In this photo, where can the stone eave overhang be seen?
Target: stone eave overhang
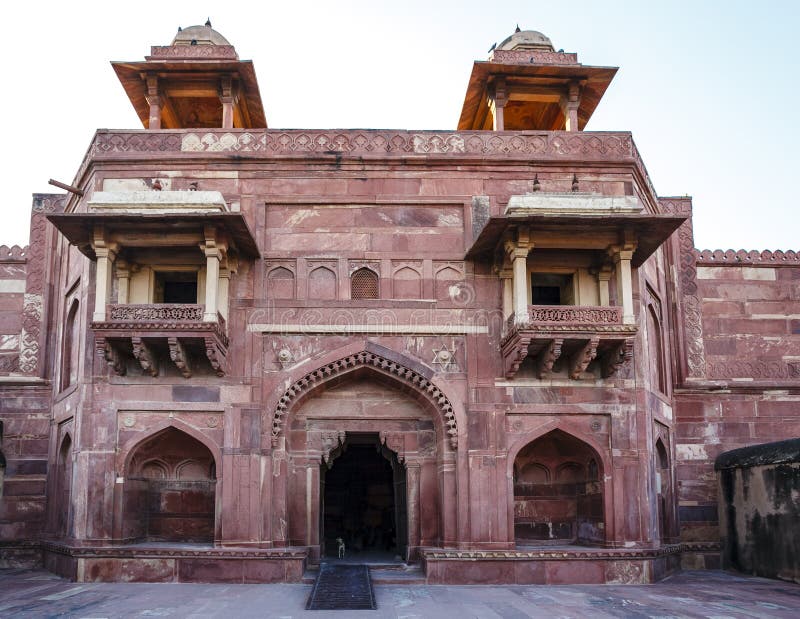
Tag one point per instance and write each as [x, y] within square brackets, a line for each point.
[130, 75]
[78, 227]
[650, 230]
[595, 81]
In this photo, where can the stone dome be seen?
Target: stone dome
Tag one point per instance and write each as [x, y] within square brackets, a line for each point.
[527, 40]
[201, 35]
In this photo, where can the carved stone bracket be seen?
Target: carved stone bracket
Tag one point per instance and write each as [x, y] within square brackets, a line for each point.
[395, 442]
[216, 356]
[548, 356]
[583, 357]
[179, 356]
[514, 352]
[145, 355]
[616, 358]
[330, 441]
[111, 355]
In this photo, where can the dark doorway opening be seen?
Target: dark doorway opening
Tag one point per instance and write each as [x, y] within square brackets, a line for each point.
[363, 492]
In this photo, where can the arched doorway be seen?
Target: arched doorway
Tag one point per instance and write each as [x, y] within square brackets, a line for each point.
[558, 492]
[363, 500]
[170, 490]
[364, 401]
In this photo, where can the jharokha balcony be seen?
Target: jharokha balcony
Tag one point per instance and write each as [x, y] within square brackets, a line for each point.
[158, 333]
[568, 337]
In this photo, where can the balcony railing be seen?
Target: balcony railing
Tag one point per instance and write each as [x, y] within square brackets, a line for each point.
[576, 315]
[161, 312]
[578, 333]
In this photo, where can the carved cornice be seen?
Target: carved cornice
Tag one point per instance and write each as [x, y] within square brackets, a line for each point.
[516, 56]
[542, 144]
[206, 52]
[732, 257]
[414, 380]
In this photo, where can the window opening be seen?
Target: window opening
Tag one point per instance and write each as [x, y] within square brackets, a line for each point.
[551, 289]
[364, 284]
[176, 287]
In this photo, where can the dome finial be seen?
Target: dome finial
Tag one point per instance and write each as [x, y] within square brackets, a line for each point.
[517, 30]
[208, 22]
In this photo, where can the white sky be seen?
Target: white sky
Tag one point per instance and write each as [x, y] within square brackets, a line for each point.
[708, 88]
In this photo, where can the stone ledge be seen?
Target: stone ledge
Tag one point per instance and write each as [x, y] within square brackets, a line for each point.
[562, 554]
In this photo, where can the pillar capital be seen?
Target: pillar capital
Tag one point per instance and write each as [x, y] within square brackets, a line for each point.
[622, 251]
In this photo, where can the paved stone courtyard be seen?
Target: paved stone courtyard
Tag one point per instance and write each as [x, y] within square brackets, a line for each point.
[36, 593]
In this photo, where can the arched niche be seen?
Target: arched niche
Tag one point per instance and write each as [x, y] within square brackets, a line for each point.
[169, 490]
[566, 506]
[280, 283]
[322, 284]
[69, 350]
[63, 486]
[407, 283]
[663, 491]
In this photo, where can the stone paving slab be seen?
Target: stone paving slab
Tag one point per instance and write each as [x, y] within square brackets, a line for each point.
[717, 595]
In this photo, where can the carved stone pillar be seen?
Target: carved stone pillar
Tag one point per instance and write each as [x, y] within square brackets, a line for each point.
[226, 96]
[123, 281]
[106, 254]
[603, 277]
[622, 255]
[498, 103]
[518, 255]
[570, 105]
[153, 99]
[508, 292]
[412, 504]
[213, 252]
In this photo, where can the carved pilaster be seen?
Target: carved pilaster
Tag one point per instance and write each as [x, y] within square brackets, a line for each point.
[550, 353]
[179, 356]
[616, 358]
[111, 355]
[583, 357]
[145, 355]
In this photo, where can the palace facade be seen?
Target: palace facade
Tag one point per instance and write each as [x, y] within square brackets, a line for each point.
[492, 351]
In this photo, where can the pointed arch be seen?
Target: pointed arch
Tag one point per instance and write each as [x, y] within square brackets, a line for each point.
[169, 488]
[128, 450]
[574, 502]
[69, 350]
[407, 373]
[64, 485]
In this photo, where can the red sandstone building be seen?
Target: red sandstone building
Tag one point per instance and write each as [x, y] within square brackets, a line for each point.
[493, 351]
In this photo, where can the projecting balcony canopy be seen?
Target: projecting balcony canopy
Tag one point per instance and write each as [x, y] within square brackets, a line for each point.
[579, 222]
[170, 229]
[575, 335]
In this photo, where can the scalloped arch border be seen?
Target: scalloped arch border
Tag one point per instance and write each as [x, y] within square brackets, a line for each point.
[360, 359]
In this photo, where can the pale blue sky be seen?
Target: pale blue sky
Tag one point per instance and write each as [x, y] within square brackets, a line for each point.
[707, 88]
